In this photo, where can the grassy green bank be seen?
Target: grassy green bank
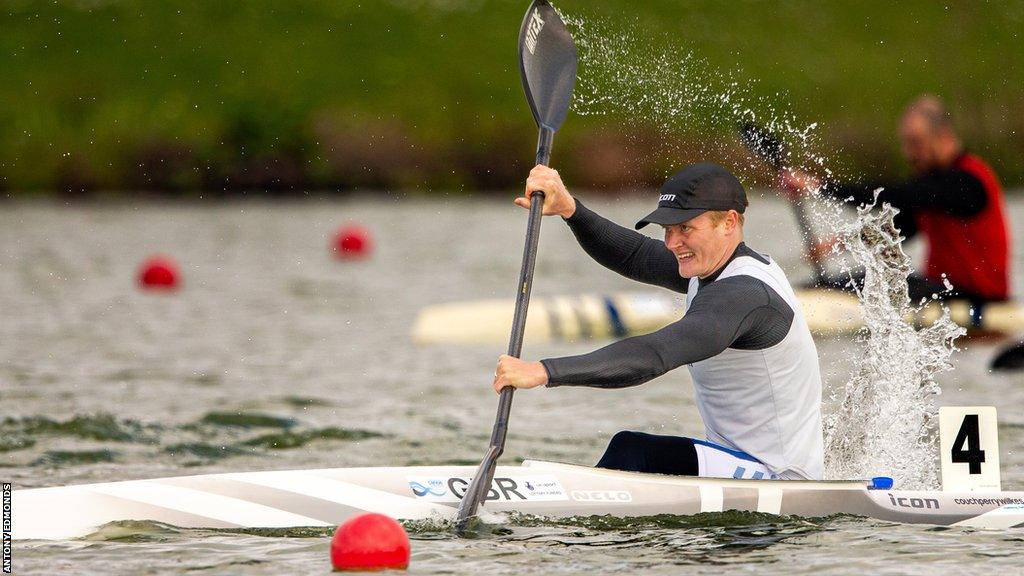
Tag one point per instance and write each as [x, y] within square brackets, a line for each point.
[424, 94]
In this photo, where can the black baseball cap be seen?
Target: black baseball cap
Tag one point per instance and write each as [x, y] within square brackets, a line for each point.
[694, 190]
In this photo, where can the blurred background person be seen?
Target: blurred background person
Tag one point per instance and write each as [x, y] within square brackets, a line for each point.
[954, 200]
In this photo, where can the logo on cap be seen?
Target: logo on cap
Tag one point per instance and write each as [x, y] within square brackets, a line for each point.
[667, 198]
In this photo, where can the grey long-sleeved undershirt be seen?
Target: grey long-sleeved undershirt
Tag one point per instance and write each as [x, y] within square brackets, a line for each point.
[739, 312]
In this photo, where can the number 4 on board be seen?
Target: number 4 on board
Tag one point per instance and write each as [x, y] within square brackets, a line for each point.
[969, 448]
[967, 445]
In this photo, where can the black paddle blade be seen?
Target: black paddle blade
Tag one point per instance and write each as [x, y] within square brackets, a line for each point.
[547, 63]
[764, 145]
[1011, 358]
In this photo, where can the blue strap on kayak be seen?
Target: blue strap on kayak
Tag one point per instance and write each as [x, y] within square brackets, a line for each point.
[618, 328]
[881, 483]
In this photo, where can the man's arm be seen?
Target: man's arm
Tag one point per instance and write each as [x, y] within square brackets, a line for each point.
[955, 192]
[628, 252]
[623, 250]
[737, 312]
[862, 194]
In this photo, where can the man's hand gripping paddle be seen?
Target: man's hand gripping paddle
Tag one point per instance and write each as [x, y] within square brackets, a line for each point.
[547, 63]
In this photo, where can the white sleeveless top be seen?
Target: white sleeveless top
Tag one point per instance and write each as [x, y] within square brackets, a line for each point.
[766, 403]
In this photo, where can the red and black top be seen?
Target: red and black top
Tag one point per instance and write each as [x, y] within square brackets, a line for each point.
[960, 210]
[973, 251]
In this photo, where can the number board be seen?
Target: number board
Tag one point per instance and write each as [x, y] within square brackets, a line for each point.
[969, 448]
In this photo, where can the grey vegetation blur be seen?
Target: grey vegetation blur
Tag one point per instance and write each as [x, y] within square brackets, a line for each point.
[112, 97]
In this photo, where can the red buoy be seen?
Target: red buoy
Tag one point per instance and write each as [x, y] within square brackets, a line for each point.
[370, 542]
[352, 242]
[159, 273]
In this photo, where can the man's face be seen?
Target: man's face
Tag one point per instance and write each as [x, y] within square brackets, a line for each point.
[919, 143]
[700, 245]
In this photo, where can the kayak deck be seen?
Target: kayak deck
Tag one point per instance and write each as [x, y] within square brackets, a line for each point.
[304, 498]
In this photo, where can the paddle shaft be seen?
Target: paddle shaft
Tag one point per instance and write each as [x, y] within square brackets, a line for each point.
[773, 152]
[806, 232]
[481, 482]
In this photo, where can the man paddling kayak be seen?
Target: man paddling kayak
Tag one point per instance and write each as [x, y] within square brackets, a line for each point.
[955, 201]
[753, 362]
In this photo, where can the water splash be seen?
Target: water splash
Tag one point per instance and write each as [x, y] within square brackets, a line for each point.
[695, 108]
[884, 422]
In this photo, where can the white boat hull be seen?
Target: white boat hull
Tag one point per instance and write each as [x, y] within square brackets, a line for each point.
[306, 498]
[593, 316]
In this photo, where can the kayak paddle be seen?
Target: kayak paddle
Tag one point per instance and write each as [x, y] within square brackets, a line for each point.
[772, 151]
[547, 64]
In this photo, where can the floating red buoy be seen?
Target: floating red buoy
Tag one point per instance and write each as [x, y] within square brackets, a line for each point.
[159, 273]
[352, 242]
[370, 542]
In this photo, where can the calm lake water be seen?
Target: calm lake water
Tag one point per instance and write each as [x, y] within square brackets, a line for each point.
[271, 341]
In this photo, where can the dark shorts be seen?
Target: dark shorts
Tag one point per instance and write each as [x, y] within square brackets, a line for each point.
[680, 456]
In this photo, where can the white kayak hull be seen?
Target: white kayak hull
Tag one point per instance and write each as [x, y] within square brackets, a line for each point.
[594, 316]
[309, 498]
